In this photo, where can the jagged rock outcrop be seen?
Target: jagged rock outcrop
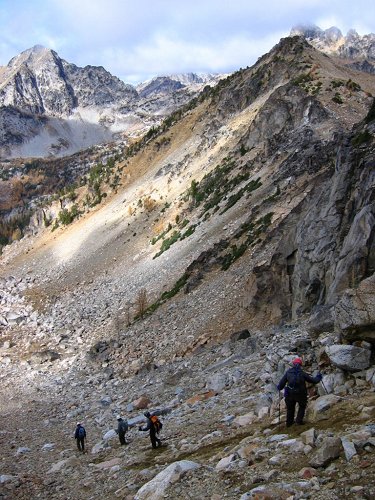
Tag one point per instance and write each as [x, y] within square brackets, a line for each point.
[39, 81]
[355, 312]
[330, 245]
[360, 49]
[159, 84]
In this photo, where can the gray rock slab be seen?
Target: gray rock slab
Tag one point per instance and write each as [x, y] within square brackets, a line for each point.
[328, 451]
[349, 449]
[323, 403]
[349, 357]
[157, 487]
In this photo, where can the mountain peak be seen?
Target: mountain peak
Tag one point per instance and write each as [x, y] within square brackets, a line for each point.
[31, 56]
[331, 41]
[38, 48]
[312, 32]
[306, 30]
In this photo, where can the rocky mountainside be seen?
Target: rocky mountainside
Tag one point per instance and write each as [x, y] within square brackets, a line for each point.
[240, 233]
[51, 107]
[164, 84]
[358, 50]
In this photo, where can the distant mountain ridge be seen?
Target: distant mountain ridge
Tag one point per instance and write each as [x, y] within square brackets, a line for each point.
[83, 106]
[354, 47]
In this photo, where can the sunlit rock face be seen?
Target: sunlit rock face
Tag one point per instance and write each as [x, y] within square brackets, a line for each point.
[50, 107]
[359, 50]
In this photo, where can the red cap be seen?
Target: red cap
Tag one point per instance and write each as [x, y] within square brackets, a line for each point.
[297, 361]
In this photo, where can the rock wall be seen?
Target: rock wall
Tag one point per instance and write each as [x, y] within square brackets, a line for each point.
[326, 245]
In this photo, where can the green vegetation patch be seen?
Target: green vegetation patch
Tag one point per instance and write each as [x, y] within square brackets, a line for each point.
[371, 114]
[361, 138]
[169, 294]
[175, 236]
[250, 186]
[353, 86]
[234, 253]
[67, 216]
[188, 232]
[215, 182]
[167, 243]
[215, 186]
[337, 83]
[184, 223]
[337, 98]
[302, 79]
[252, 230]
[161, 235]
[13, 228]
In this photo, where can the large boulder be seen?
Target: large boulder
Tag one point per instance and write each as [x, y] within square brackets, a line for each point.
[141, 403]
[329, 450]
[355, 312]
[349, 448]
[110, 435]
[108, 464]
[224, 462]
[244, 420]
[14, 318]
[323, 404]
[349, 357]
[217, 382]
[71, 462]
[157, 487]
[200, 397]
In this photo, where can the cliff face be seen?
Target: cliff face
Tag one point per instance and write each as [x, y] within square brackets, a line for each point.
[35, 81]
[327, 243]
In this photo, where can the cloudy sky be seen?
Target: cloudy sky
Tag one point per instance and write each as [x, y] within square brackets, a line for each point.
[136, 40]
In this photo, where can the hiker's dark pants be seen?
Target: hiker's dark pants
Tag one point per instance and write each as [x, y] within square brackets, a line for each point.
[154, 438]
[291, 400]
[81, 443]
[121, 436]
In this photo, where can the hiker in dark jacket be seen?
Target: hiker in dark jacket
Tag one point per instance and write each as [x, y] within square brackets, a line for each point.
[122, 428]
[295, 391]
[80, 436]
[155, 441]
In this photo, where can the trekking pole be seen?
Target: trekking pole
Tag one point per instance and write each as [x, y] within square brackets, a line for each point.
[279, 409]
[324, 387]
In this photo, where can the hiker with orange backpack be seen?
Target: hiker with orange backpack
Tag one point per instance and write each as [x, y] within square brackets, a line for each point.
[154, 426]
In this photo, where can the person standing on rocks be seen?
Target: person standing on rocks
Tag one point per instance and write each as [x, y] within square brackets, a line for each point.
[122, 429]
[295, 391]
[154, 426]
[80, 436]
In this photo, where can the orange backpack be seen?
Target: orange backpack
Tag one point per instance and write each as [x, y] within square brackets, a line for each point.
[156, 423]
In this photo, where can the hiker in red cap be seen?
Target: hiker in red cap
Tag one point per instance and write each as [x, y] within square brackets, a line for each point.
[295, 391]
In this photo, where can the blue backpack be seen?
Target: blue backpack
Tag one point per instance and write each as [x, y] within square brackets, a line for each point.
[296, 380]
[81, 432]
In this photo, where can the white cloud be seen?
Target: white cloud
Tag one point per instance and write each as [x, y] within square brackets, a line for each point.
[165, 36]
